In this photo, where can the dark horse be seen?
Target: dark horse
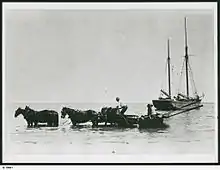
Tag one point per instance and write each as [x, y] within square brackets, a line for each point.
[34, 117]
[79, 116]
[113, 116]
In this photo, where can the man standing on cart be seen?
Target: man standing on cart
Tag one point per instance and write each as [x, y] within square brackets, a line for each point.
[121, 108]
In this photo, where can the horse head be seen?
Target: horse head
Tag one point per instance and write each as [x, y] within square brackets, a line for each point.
[104, 110]
[19, 111]
[63, 112]
[66, 111]
[28, 109]
[92, 112]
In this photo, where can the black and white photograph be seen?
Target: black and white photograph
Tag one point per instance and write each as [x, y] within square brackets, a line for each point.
[109, 83]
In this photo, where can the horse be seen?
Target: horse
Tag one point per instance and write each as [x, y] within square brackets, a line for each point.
[34, 117]
[28, 116]
[113, 115]
[79, 116]
[108, 115]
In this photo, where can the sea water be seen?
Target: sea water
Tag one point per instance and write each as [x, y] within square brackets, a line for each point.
[190, 133]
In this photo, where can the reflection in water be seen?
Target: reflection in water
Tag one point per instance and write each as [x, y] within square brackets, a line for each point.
[154, 130]
[190, 133]
[187, 118]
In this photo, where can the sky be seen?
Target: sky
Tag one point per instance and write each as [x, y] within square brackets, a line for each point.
[96, 55]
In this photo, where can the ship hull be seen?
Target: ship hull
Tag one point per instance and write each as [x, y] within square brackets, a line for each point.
[170, 104]
[163, 104]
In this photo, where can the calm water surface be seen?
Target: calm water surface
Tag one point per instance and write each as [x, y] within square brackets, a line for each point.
[189, 133]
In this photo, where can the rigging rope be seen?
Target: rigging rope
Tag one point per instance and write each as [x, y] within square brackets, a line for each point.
[172, 77]
[180, 80]
[165, 73]
[192, 81]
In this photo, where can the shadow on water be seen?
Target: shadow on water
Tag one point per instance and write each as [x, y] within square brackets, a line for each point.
[112, 128]
[49, 128]
[99, 128]
[153, 130]
[88, 127]
[36, 129]
[42, 128]
[80, 126]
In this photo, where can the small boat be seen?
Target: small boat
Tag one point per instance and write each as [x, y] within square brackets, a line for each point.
[177, 102]
[153, 121]
[157, 120]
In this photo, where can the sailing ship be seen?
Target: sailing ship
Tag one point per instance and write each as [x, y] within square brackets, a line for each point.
[180, 100]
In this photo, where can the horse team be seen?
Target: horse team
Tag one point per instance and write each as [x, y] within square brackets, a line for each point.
[114, 116]
[34, 117]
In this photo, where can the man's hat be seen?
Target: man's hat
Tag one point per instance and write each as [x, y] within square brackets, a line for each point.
[117, 99]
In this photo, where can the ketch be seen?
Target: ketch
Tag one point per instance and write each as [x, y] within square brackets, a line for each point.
[180, 100]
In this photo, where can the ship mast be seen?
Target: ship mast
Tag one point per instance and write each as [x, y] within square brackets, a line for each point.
[168, 62]
[186, 60]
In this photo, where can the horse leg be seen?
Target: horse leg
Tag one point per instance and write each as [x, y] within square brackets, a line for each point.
[106, 120]
[74, 123]
[56, 121]
[94, 123]
[53, 123]
[28, 124]
[49, 123]
[35, 124]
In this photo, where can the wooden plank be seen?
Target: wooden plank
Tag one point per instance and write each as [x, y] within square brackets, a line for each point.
[183, 111]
